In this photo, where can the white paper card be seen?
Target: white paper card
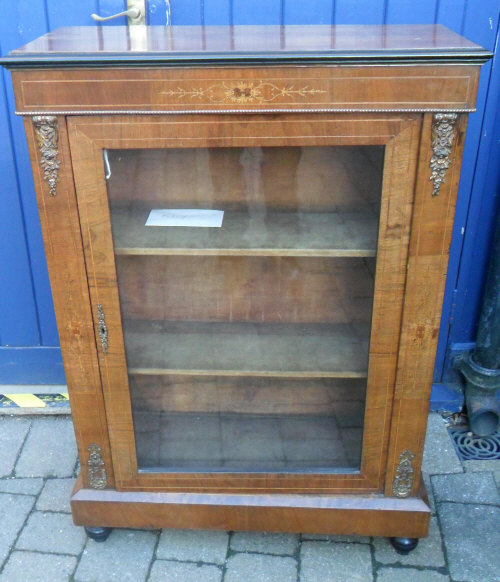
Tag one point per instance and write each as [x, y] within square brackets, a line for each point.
[185, 217]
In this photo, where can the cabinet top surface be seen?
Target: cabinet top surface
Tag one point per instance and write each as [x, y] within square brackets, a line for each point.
[87, 46]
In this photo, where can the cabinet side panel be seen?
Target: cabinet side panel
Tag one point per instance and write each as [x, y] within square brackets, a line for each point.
[63, 246]
[427, 267]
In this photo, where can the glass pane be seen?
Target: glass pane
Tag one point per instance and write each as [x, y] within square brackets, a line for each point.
[246, 329]
[241, 424]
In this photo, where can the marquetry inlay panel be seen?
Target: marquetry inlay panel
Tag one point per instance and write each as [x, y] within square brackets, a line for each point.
[418, 87]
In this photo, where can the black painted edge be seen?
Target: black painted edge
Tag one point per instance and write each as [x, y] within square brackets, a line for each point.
[98, 60]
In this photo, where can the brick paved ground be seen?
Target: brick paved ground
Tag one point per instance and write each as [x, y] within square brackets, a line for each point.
[39, 543]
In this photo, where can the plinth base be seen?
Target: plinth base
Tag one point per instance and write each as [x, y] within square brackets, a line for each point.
[364, 515]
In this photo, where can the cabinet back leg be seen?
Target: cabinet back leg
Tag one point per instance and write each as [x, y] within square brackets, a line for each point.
[98, 534]
[404, 546]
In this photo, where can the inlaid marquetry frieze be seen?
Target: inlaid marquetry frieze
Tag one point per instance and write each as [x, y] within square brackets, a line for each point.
[339, 88]
[243, 92]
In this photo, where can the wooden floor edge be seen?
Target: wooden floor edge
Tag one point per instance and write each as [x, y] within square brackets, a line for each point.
[320, 514]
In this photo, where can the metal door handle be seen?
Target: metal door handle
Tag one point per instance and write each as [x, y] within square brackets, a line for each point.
[132, 13]
[136, 11]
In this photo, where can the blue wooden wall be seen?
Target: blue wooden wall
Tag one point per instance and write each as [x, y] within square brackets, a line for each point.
[29, 351]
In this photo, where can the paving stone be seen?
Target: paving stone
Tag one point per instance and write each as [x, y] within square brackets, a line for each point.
[265, 543]
[337, 538]
[472, 538]
[55, 495]
[428, 552]
[13, 511]
[492, 465]
[466, 488]
[21, 486]
[439, 452]
[192, 545]
[28, 567]
[260, 568]
[164, 571]
[13, 431]
[50, 449]
[489, 466]
[410, 575]
[53, 533]
[321, 561]
[125, 556]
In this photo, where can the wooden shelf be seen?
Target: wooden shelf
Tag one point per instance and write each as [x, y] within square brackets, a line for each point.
[328, 234]
[247, 349]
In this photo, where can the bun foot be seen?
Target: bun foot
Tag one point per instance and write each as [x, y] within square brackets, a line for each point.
[98, 534]
[404, 546]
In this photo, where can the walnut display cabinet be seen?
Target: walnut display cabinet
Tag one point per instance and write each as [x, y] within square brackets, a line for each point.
[247, 231]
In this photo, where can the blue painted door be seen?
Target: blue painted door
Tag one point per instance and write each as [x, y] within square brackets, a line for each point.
[29, 351]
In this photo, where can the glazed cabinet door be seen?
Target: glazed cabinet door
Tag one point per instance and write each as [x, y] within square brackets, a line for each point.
[247, 276]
